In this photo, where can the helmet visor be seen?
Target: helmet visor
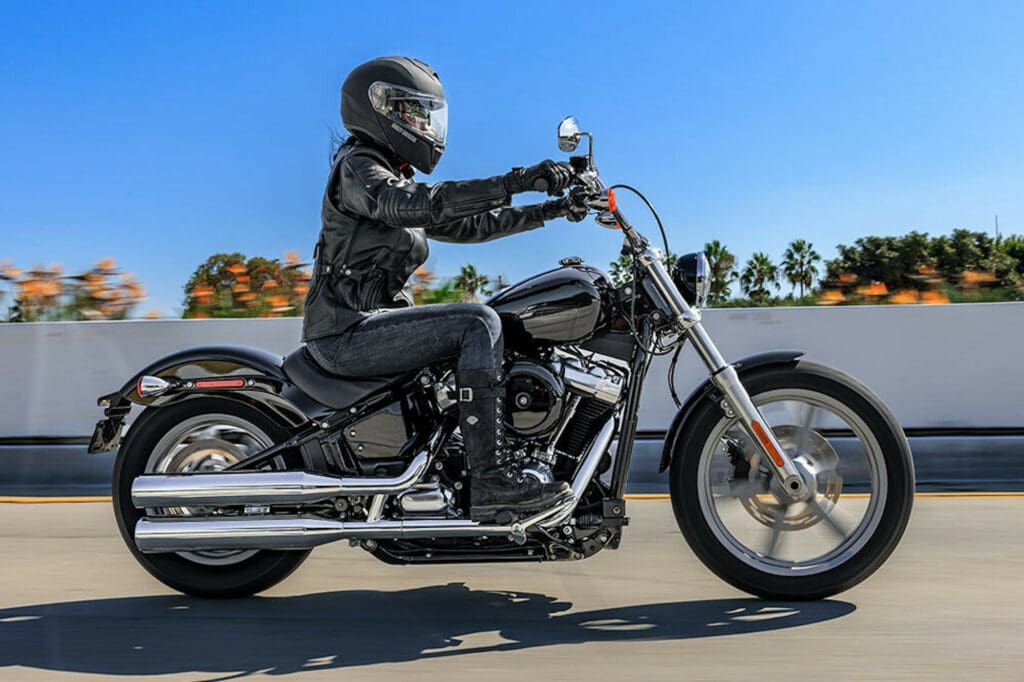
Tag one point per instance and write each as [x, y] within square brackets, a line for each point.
[424, 115]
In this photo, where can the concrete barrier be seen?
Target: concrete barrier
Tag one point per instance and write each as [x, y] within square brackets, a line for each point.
[951, 374]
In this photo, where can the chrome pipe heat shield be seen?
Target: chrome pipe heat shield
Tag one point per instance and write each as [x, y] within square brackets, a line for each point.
[264, 488]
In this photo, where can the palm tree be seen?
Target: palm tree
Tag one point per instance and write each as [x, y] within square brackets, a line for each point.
[446, 293]
[758, 274]
[800, 264]
[621, 271]
[722, 263]
[470, 282]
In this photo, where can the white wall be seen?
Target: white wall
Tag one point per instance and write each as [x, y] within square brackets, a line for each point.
[936, 366]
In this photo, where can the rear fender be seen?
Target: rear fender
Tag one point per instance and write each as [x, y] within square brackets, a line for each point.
[707, 391]
[263, 384]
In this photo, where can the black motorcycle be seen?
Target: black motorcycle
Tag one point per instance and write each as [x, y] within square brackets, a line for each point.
[790, 480]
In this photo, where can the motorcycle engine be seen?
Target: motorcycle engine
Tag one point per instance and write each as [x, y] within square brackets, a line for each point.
[553, 410]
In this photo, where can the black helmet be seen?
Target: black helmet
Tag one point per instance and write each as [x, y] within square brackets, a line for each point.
[398, 103]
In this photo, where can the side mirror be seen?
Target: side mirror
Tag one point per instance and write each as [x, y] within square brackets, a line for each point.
[569, 134]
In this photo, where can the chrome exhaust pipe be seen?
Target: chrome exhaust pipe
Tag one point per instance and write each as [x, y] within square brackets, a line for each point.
[289, 532]
[585, 471]
[264, 488]
[304, 532]
[180, 534]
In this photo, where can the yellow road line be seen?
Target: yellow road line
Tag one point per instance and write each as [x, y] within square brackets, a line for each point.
[53, 500]
[629, 496]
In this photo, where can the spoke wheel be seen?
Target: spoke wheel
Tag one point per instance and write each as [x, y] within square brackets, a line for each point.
[755, 520]
[850, 452]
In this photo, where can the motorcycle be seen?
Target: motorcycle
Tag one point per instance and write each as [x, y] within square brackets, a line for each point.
[788, 479]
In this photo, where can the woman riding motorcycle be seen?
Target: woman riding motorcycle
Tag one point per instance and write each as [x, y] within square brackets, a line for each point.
[359, 319]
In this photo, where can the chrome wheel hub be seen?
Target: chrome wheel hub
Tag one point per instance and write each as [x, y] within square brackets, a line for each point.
[205, 444]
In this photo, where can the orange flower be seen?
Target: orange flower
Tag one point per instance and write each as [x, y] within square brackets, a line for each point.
[973, 278]
[934, 298]
[831, 297]
[291, 257]
[236, 268]
[270, 284]
[904, 297]
[107, 264]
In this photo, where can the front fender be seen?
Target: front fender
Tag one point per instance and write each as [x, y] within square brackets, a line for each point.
[681, 421]
[267, 387]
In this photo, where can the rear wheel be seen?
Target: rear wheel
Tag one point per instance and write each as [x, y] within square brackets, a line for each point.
[198, 435]
[740, 523]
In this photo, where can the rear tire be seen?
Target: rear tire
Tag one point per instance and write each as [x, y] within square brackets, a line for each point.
[254, 573]
[726, 558]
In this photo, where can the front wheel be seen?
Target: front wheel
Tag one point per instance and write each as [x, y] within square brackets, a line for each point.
[740, 523]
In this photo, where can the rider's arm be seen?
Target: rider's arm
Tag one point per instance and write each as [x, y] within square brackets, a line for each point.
[375, 191]
[497, 223]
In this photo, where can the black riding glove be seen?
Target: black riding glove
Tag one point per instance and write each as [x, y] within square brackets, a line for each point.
[547, 176]
[573, 207]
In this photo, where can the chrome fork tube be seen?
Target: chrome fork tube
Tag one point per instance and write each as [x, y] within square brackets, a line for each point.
[727, 380]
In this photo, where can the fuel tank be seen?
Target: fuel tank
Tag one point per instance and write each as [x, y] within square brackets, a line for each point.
[561, 306]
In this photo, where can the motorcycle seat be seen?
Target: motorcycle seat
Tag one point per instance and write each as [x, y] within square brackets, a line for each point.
[328, 389]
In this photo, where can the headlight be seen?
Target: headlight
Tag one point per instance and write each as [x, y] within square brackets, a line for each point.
[692, 276]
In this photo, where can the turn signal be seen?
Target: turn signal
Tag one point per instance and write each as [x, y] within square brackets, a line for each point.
[150, 386]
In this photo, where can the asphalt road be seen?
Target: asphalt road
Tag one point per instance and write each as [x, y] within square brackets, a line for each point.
[948, 605]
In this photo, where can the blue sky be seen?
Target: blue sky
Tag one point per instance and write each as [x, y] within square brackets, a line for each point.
[159, 133]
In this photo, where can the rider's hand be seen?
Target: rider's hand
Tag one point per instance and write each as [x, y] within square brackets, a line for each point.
[547, 176]
[573, 207]
[576, 204]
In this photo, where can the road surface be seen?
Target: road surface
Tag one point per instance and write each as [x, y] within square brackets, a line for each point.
[948, 605]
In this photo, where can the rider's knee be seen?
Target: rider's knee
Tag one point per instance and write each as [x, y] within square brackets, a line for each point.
[486, 321]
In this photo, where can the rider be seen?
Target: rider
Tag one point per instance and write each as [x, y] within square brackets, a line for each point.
[359, 319]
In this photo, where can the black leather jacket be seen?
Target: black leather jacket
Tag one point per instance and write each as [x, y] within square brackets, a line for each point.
[376, 222]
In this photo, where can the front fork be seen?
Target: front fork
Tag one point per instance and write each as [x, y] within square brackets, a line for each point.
[723, 375]
[737, 400]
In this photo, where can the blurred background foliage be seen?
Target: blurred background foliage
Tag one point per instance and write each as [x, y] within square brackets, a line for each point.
[963, 266]
[231, 285]
[46, 294]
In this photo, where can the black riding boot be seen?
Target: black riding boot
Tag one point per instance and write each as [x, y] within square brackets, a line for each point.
[494, 488]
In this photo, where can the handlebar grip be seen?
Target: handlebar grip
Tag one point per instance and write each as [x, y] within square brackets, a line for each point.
[540, 185]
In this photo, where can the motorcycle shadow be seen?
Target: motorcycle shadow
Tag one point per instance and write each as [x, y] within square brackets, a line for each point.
[279, 635]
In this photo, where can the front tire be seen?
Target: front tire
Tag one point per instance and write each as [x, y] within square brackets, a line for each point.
[153, 445]
[737, 520]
